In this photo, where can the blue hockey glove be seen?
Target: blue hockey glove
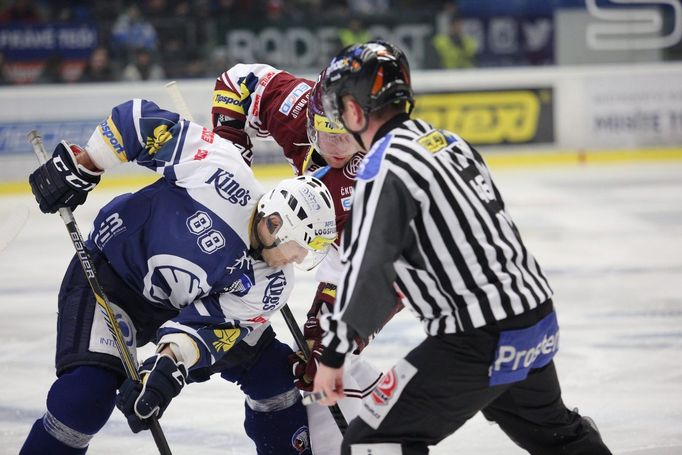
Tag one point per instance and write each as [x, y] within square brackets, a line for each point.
[61, 182]
[162, 380]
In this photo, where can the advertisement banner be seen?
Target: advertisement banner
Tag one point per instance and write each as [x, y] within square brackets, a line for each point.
[501, 41]
[512, 40]
[492, 117]
[13, 135]
[29, 49]
[633, 110]
[39, 42]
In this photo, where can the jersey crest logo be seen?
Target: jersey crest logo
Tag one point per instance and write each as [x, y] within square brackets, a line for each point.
[226, 339]
[161, 136]
[172, 280]
[350, 170]
[300, 441]
[371, 164]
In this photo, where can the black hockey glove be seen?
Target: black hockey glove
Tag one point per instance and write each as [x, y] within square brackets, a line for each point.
[162, 380]
[61, 182]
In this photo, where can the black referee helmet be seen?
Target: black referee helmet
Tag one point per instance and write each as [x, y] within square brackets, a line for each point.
[375, 74]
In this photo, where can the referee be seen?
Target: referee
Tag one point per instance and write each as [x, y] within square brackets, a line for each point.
[427, 216]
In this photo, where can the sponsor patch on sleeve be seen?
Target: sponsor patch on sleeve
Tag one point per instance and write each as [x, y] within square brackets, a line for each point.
[112, 137]
[228, 100]
[293, 97]
[519, 351]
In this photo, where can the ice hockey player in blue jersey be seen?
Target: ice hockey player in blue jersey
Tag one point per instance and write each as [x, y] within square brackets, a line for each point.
[196, 262]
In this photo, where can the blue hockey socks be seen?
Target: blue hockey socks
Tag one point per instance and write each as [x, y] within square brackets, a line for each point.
[275, 418]
[280, 432]
[79, 403]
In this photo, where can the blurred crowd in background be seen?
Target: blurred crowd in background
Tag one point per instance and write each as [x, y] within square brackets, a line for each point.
[59, 41]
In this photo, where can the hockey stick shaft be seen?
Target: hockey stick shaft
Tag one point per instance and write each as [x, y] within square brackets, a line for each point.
[303, 346]
[129, 364]
[178, 100]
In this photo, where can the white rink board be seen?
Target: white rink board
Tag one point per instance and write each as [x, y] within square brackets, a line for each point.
[594, 107]
[609, 239]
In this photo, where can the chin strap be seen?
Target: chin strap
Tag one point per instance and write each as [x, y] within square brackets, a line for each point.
[356, 134]
[257, 252]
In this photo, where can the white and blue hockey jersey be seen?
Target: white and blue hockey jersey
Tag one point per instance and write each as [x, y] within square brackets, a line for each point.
[183, 241]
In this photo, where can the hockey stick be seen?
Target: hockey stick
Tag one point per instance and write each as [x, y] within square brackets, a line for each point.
[11, 224]
[303, 346]
[178, 100]
[129, 364]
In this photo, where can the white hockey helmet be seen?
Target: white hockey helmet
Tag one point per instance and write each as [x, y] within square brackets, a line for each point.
[308, 218]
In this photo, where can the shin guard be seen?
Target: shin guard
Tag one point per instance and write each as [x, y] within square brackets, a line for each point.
[79, 403]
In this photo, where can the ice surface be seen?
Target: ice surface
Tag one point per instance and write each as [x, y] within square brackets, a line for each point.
[609, 239]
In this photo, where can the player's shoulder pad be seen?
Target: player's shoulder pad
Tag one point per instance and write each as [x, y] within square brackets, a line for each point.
[370, 166]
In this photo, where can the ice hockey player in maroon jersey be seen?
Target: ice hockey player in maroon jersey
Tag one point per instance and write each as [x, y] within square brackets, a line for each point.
[266, 102]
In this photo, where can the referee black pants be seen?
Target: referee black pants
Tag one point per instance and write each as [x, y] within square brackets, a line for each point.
[451, 385]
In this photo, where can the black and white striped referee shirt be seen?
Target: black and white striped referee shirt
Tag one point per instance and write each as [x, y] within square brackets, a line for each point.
[427, 216]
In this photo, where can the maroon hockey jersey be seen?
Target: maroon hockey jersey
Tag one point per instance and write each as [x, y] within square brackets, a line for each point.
[272, 103]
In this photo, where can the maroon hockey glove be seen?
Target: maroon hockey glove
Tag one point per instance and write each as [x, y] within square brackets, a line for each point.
[239, 138]
[304, 372]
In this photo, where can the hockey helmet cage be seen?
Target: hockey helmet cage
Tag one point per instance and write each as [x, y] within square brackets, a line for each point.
[308, 217]
[319, 128]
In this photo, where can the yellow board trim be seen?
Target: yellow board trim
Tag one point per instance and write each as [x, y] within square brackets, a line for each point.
[581, 157]
[495, 160]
